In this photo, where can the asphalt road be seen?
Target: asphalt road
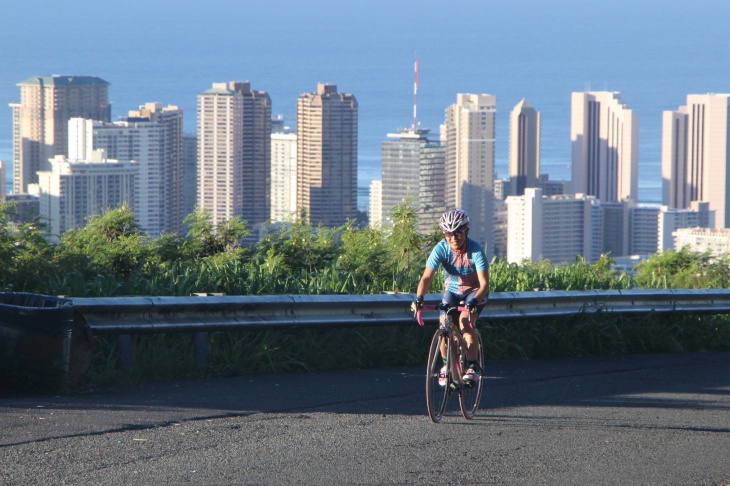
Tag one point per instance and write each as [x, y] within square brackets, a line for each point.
[659, 419]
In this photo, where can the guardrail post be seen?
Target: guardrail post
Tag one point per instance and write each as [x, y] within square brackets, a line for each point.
[201, 348]
[124, 352]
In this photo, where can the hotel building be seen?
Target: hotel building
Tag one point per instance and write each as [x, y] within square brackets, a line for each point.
[283, 175]
[557, 228]
[468, 135]
[40, 120]
[73, 191]
[524, 148]
[604, 135]
[153, 140]
[234, 153]
[672, 219]
[413, 172]
[327, 124]
[701, 240]
[696, 155]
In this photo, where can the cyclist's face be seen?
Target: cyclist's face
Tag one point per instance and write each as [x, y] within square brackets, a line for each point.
[456, 239]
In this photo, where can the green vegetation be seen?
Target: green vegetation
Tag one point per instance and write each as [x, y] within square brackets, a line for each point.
[111, 256]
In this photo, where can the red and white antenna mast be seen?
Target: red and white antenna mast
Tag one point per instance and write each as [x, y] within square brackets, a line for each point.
[415, 94]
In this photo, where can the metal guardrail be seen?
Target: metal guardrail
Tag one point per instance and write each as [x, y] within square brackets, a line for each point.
[134, 315]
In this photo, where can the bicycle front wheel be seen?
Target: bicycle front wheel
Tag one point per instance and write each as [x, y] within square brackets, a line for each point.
[437, 387]
[471, 395]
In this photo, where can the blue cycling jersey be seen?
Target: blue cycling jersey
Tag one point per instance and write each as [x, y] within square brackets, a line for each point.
[460, 267]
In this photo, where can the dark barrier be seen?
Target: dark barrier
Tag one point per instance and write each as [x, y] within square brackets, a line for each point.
[35, 340]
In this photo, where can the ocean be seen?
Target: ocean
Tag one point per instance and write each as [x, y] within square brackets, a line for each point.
[652, 51]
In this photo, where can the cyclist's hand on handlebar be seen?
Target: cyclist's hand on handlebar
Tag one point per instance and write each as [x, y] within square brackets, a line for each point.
[471, 304]
[417, 304]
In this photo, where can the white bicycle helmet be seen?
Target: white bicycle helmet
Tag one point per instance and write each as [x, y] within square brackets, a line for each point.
[453, 220]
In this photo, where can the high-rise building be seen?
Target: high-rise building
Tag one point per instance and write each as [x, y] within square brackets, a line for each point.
[696, 155]
[327, 155]
[701, 240]
[283, 174]
[400, 168]
[500, 225]
[413, 173]
[524, 148]
[614, 228]
[2, 181]
[72, 191]
[190, 173]
[432, 186]
[146, 141]
[557, 228]
[644, 227]
[375, 209]
[672, 219]
[674, 159]
[604, 134]
[40, 120]
[170, 118]
[468, 135]
[234, 152]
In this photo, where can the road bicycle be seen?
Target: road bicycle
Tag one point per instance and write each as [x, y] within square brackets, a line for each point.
[439, 387]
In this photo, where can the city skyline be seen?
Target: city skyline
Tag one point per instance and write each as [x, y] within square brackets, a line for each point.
[643, 58]
[138, 161]
[499, 142]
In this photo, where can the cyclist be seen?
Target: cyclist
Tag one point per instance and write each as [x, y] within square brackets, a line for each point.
[466, 278]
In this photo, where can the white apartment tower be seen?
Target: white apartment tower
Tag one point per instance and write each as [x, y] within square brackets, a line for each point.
[327, 155]
[524, 148]
[672, 219]
[716, 241]
[468, 135]
[40, 120]
[283, 176]
[557, 228]
[604, 135]
[696, 155]
[171, 119]
[524, 226]
[234, 152]
[375, 209]
[157, 206]
[73, 191]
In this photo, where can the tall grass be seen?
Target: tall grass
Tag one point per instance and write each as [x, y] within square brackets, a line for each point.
[111, 257]
[164, 357]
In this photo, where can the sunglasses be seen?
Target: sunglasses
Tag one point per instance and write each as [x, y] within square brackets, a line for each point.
[449, 234]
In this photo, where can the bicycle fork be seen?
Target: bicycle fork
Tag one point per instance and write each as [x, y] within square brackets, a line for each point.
[456, 350]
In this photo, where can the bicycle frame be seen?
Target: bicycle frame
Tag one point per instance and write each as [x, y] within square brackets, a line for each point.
[451, 327]
[449, 342]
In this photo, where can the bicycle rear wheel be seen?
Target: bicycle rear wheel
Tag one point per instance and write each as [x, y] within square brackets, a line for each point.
[470, 396]
[436, 394]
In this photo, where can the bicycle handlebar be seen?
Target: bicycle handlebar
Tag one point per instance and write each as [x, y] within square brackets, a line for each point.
[443, 307]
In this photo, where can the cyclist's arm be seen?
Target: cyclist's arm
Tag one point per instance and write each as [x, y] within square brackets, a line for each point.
[483, 292]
